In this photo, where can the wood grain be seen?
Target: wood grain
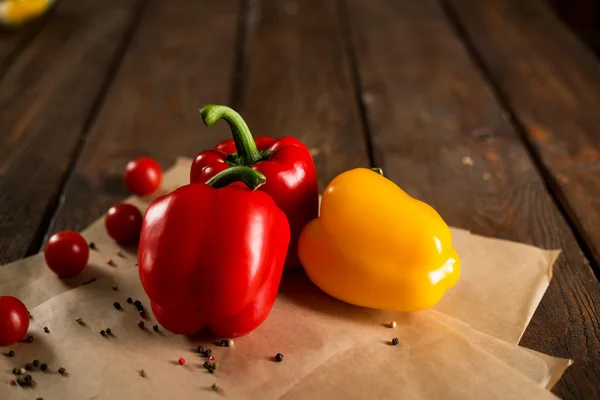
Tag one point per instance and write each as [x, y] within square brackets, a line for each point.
[439, 133]
[14, 40]
[181, 57]
[298, 82]
[551, 82]
[45, 99]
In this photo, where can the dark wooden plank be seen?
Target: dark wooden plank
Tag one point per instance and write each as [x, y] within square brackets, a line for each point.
[551, 82]
[12, 41]
[181, 57]
[298, 82]
[45, 100]
[432, 114]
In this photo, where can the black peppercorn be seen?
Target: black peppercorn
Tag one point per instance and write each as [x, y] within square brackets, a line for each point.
[103, 332]
[211, 371]
[206, 364]
[108, 331]
[29, 339]
[117, 305]
[223, 343]
[115, 288]
[46, 330]
[279, 357]
[129, 300]
[395, 341]
[28, 378]
[16, 371]
[155, 328]
[200, 349]
[62, 371]
[93, 246]
[30, 316]
[28, 367]
[137, 303]
[207, 352]
[21, 381]
[11, 353]
[44, 366]
[36, 363]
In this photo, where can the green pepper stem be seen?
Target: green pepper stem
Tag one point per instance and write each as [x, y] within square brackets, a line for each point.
[251, 178]
[247, 152]
[378, 170]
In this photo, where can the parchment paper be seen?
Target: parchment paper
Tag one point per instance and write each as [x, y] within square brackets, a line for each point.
[331, 349]
[31, 281]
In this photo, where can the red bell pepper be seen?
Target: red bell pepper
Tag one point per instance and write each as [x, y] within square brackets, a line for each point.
[286, 163]
[213, 254]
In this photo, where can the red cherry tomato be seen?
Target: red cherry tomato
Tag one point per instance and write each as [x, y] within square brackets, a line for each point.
[143, 176]
[67, 253]
[14, 320]
[123, 223]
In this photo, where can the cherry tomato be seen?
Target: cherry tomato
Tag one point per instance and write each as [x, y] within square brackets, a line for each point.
[67, 253]
[143, 176]
[14, 320]
[123, 223]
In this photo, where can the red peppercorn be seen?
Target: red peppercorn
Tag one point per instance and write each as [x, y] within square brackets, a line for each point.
[141, 324]
[211, 358]
[181, 361]
[143, 313]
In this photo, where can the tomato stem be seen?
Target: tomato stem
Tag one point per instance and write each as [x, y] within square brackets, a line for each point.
[251, 178]
[247, 152]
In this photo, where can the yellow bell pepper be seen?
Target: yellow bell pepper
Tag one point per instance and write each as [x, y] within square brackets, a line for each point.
[375, 246]
[17, 12]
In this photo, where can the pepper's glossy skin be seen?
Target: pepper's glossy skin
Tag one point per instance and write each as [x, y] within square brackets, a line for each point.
[375, 246]
[212, 257]
[286, 163]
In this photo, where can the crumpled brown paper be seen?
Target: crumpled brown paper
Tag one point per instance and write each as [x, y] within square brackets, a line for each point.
[325, 350]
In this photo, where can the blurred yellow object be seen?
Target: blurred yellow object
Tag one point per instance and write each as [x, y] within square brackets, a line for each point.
[375, 246]
[17, 12]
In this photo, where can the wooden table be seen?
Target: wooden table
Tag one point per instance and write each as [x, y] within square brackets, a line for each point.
[488, 110]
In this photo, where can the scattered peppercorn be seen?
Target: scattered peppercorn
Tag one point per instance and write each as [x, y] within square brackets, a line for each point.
[142, 373]
[21, 381]
[22, 371]
[207, 352]
[28, 378]
[215, 387]
[29, 339]
[223, 343]
[36, 363]
[16, 371]
[40, 398]
[46, 330]
[117, 305]
[155, 328]
[30, 316]
[215, 365]
[143, 313]
[115, 288]
[28, 366]
[211, 371]
[181, 361]
[200, 349]
[11, 353]
[210, 358]
[279, 357]
[138, 304]
[129, 300]
[62, 371]
[230, 343]
[103, 332]
[141, 324]
[79, 321]
[111, 262]
[93, 246]
[206, 364]
[12, 382]
[393, 324]
[108, 331]
[44, 366]
[395, 341]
